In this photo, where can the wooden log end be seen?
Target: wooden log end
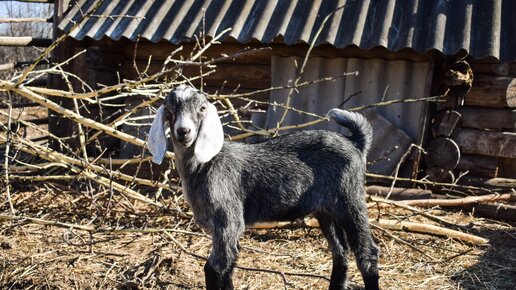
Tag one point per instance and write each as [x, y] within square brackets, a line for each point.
[443, 153]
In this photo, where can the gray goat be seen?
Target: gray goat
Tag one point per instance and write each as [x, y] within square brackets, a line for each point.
[230, 185]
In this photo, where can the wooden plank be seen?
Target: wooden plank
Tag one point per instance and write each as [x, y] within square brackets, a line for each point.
[490, 143]
[499, 69]
[38, 121]
[478, 165]
[498, 211]
[162, 51]
[34, 1]
[19, 64]
[492, 91]
[164, 48]
[507, 167]
[22, 105]
[488, 118]
[389, 144]
[502, 182]
[446, 122]
[24, 20]
[512, 70]
[24, 41]
[6, 66]
[425, 120]
[439, 175]
[250, 76]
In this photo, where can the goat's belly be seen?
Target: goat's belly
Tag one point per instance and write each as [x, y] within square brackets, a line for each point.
[267, 214]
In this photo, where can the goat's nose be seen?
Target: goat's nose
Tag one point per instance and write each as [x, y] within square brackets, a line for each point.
[181, 132]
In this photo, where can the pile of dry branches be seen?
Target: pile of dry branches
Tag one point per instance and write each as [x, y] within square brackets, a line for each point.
[30, 160]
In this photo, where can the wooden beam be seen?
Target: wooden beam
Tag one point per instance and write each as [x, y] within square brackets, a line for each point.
[162, 51]
[478, 165]
[24, 20]
[22, 105]
[502, 182]
[249, 76]
[19, 64]
[31, 1]
[490, 143]
[24, 41]
[492, 91]
[487, 118]
[499, 211]
[6, 66]
[499, 69]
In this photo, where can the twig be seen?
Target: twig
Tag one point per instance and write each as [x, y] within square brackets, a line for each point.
[36, 178]
[402, 241]
[396, 171]
[430, 229]
[413, 209]
[325, 119]
[461, 201]
[73, 116]
[429, 183]
[170, 237]
[52, 156]
[305, 61]
[386, 224]
[6, 155]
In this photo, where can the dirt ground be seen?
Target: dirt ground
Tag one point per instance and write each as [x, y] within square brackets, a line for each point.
[35, 256]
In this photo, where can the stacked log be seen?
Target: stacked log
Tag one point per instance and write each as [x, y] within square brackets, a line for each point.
[483, 129]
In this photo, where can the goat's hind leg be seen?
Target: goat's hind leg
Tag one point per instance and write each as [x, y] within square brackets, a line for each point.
[353, 218]
[339, 249]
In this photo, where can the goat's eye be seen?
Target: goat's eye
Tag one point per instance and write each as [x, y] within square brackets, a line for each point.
[202, 109]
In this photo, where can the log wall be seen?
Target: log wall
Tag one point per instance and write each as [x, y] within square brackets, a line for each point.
[486, 129]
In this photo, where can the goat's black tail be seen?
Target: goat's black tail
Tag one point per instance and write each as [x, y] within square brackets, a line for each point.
[357, 124]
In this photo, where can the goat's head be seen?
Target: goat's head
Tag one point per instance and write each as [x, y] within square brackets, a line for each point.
[194, 124]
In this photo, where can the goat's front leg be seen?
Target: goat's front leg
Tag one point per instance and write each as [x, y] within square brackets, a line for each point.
[224, 252]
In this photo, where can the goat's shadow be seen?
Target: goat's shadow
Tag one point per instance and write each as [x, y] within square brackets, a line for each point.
[496, 268]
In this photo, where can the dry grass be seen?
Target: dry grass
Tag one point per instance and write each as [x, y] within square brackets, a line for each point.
[49, 257]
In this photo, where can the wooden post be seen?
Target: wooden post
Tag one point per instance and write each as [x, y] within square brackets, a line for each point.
[57, 125]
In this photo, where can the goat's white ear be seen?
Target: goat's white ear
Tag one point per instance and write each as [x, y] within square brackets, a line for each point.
[210, 137]
[157, 140]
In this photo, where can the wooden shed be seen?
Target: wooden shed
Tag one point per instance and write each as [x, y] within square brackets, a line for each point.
[375, 51]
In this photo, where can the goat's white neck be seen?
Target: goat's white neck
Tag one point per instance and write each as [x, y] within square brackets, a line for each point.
[186, 162]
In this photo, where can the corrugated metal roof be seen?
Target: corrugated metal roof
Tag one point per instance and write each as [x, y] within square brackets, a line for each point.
[481, 27]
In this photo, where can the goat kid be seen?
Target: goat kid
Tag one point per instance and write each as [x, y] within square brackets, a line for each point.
[230, 185]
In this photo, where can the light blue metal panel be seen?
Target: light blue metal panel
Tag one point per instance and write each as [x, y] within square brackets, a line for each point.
[377, 81]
